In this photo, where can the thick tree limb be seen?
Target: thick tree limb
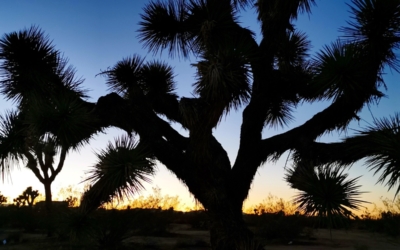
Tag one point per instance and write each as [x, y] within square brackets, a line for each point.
[253, 153]
[32, 165]
[60, 163]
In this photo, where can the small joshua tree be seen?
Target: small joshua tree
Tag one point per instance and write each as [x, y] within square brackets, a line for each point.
[72, 201]
[27, 197]
[19, 201]
[3, 199]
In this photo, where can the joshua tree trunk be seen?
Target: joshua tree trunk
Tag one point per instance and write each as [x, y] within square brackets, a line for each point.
[47, 191]
[49, 205]
[228, 230]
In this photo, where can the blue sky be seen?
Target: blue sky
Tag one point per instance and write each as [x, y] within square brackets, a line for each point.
[94, 35]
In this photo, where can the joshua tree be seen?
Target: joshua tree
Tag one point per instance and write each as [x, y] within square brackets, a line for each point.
[27, 197]
[19, 202]
[3, 199]
[268, 79]
[119, 172]
[37, 78]
[325, 192]
[72, 201]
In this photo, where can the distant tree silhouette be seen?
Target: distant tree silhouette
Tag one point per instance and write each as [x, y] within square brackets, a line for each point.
[28, 197]
[156, 200]
[72, 201]
[43, 87]
[273, 204]
[268, 79]
[19, 201]
[70, 194]
[3, 199]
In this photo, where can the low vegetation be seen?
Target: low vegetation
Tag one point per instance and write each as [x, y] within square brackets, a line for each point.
[265, 77]
[273, 221]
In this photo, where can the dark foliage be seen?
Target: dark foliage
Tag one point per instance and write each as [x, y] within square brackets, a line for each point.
[267, 78]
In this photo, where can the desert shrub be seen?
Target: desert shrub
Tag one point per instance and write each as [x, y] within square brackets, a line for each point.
[27, 197]
[156, 201]
[27, 219]
[191, 244]
[144, 246]
[387, 224]
[49, 222]
[3, 199]
[73, 226]
[272, 204]
[390, 216]
[277, 226]
[390, 223]
[392, 206]
[102, 229]
[197, 219]
[361, 247]
[251, 220]
[150, 222]
[177, 217]
[109, 229]
[7, 216]
[70, 194]
[384, 220]
[335, 222]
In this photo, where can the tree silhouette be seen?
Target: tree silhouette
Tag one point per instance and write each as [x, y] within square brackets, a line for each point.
[119, 172]
[38, 79]
[325, 192]
[19, 201]
[28, 197]
[3, 199]
[269, 80]
[72, 201]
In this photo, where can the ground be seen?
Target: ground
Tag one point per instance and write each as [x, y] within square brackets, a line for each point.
[183, 237]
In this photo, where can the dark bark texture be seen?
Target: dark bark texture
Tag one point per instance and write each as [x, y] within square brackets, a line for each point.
[48, 199]
[201, 162]
[267, 78]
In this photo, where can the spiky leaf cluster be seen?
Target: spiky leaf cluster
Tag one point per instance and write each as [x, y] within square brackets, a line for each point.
[120, 170]
[342, 73]
[32, 68]
[376, 25]
[152, 83]
[293, 51]
[12, 141]
[223, 78]
[380, 143]
[188, 26]
[324, 191]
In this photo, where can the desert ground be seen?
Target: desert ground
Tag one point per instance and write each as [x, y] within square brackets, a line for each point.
[184, 237]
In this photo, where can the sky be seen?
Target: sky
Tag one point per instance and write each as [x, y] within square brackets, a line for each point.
[94, 35]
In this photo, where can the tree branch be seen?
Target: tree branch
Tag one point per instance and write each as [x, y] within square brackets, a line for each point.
[113, 110]
[253, 153]
[60, 165]
[32, 165]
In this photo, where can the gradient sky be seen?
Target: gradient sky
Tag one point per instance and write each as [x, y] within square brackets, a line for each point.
[94, 35]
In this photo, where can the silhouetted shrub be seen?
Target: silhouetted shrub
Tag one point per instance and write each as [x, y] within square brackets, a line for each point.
[27, 219]
[191, 243]
[197, 219]
[277, 226]
[110, 228]
[390, 223]
[150, 222]
[386, 223]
